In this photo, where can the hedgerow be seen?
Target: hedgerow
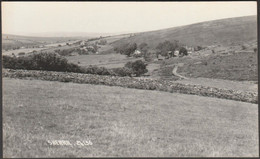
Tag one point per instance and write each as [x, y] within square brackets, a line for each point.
[55, 62]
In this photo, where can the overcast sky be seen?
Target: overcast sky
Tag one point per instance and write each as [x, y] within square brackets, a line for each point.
[25, 18]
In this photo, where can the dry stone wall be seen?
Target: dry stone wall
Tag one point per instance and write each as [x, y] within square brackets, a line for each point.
[130, 82]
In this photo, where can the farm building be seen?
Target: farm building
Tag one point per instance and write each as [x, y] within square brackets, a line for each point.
[176, 53]
[137, 52]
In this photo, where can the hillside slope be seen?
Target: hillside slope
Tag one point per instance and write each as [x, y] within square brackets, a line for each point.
[10, 41]
[224, 31]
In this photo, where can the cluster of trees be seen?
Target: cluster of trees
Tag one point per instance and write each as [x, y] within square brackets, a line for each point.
[129, 48]
[64, 52]
[168, 48]
[54, 62]
[102, 42]
[126, 49]
[80, 51]
[41, 61]
[138, 67]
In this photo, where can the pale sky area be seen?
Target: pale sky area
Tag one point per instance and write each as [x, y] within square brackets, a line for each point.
[27, 18]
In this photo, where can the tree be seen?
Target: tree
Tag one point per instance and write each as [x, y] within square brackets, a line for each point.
[102, 42]
[138, 67]
[143, 46]
[147, 56]
[130, 49]
[183, 51]
[95, 48]
[126, 48]
[167, 46]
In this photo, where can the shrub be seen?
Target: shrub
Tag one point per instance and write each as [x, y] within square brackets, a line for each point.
[41, 61]
[55, 62]
[148, 56]
[102, 42]
[143, 46]
[17, 63]
[138, 67]
[65, 52]
[122, 72]
[97, 70]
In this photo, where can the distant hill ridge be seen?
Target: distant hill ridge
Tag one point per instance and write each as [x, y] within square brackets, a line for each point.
[223, 31]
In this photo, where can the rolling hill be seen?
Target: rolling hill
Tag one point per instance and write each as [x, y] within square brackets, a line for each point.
[12, 41]
[224, 31]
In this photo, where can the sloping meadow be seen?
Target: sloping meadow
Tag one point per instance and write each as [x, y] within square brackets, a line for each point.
[130, 82]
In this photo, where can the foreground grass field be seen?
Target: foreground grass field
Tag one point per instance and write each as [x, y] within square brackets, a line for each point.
[122, 122]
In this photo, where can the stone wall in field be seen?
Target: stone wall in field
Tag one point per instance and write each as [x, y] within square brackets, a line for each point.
[129, 82]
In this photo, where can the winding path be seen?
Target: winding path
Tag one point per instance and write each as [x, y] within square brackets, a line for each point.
[174, 72]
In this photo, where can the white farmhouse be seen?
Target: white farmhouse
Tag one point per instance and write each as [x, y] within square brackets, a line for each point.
[137, 52]
[176, 53]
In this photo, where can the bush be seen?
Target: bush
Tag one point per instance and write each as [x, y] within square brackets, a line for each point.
[143, 46]
[148, 56]
[17, 63]
[55, 62]
[102, 42]
[98, 70]
[138, 67]
[42, 61]
[122, 72]
[65, 52]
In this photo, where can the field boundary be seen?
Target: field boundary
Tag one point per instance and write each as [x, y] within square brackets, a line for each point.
[130, 82]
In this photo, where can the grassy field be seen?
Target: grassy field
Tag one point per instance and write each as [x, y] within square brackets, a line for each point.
[10, 41]
[240, 66]
[122, 122]
[108, 60]
[25, 50]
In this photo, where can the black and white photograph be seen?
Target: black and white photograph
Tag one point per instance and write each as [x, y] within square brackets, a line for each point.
[129, 79]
